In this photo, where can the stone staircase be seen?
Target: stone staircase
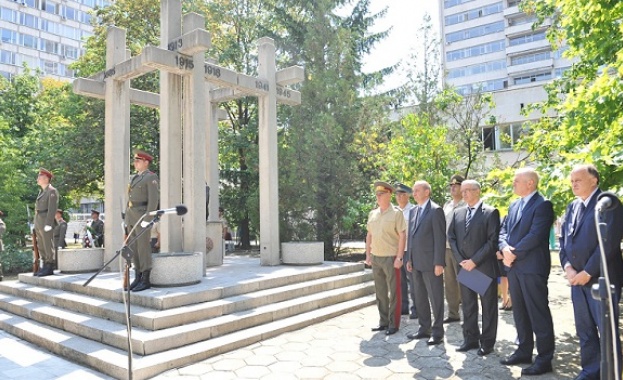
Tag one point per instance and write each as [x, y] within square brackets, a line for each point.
[235, 305]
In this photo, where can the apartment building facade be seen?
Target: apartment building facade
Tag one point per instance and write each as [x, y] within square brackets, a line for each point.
[492, 46]
[44, 34]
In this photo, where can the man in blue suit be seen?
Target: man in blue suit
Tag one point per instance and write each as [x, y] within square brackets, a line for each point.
[580, 259]
[524, 242]
[425, 258]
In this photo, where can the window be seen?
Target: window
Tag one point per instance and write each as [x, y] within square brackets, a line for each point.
[501, 137]
[526, 38]
[529, 58]
[8, 36]
[474, 14]
[532, 78]
[28, 20]
[477, 31]
[487, 86]
[453, 3]
[8, 15]
[28, 41]
[7, 57]
[49, 7]
[477, 69]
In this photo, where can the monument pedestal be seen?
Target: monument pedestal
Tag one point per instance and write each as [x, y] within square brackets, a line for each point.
[80, 260]
[302, 252]
[176, 269]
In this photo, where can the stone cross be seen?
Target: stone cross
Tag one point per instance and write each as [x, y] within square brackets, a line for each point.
[190, 90]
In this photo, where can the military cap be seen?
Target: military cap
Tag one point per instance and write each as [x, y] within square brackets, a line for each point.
[383, 186]
[402, 188]
[143, 155]
[95, 212]
[59, 210]
[456, 179]
[45, 172]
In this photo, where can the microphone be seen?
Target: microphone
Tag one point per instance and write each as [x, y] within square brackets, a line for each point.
[607, 201]
[179, 210]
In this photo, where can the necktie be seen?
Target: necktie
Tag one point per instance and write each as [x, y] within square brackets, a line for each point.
[417, 217]
[520, 210]
[579, 212]
[469, 217]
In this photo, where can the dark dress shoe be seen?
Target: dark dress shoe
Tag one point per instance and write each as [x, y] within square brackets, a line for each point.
[451, 320]
[418, 335]
[516, 359]
[484, 351]
[379, 328]
[435, 341]
[537, 369]
[582, 376]
[413, 316]
[391, 331]
[467, 346]
[405, 312]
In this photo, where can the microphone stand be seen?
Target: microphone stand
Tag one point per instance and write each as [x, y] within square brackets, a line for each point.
[126, 253]
[603, 292]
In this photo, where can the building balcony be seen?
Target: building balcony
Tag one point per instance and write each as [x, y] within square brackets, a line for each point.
[512, 11]
[526, 28]
[531, 67]
[530, 46]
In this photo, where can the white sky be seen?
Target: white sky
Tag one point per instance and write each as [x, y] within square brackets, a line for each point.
[406, 18]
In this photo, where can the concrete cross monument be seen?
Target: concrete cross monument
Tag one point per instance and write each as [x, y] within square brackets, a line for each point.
[190, 90]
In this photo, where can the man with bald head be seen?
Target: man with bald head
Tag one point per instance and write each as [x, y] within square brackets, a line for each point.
[524, 242]
[426, 259]
[581, 260]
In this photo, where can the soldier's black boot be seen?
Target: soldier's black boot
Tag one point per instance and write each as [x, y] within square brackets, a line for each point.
[144, 284]
[48, 270]
[137, 280]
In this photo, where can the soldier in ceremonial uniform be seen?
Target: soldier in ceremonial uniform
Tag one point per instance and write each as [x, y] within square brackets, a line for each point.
[97, 225]
[143, 197]
[60, 230]
[45, 210]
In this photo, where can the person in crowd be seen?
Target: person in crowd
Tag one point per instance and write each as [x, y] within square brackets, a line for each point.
[403, 196]
[385, 246]
[426, 260]
[97, 229]
[473, 235]
[524, 242]
[143, 197]
[581, 261]
[60, 230]
[155, 237]
[451, 285]
[45, 210]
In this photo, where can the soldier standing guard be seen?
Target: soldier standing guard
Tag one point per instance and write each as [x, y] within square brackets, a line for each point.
[45, 210]
[97, 225]
[143, 197]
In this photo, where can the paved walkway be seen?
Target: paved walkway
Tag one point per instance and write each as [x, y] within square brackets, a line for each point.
[341, 348]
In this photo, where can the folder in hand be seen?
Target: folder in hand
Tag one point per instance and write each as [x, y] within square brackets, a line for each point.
[475, 280]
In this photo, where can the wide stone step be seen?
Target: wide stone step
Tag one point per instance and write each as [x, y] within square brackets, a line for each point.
[113, 361]
[160, 319]
[147, 342]
[108, 286]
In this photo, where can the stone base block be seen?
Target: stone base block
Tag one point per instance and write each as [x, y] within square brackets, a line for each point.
[176, 269]
[302, 253]
[80, 260]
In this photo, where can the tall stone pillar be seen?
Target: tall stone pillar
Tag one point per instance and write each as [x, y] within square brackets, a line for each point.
[269, 174]
[116, 143]
[194, 146]
[170, 131]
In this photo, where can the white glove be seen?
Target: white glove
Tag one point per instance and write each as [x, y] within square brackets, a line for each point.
[47, 228]
[144, 224]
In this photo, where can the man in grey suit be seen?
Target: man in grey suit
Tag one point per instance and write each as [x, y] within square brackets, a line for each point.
[425, 258]
[473, 236]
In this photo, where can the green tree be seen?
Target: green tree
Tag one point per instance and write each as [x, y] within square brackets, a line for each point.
[587, 100]
[319, 172]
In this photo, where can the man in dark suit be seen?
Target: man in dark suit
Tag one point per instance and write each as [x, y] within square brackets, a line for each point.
[426, 260]
[473, 236]
[524, 242]
[580, 259]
